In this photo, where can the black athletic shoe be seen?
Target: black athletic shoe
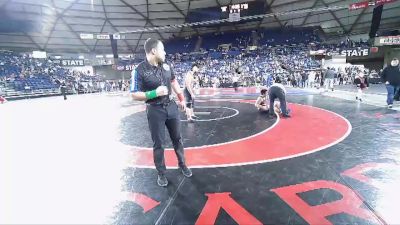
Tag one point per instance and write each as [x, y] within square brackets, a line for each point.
[286, 115]
[186, 171]
[162, 180]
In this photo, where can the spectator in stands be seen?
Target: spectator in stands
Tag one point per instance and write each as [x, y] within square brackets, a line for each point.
[298, 79]
[120, 85]
[318, 78]
[303, 79]
[391, 76]
[329, 78]
[63, 88]
[123, 86]
[270, 80]
[340, 78]
[21, 70]
[235, 78]
[27, 88]
[311, 79]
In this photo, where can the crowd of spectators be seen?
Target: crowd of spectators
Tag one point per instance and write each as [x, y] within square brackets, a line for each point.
[25, 74]
[218, 66]
[252, 67]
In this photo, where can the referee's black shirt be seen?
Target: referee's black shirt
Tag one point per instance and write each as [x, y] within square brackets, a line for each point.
[146, 77]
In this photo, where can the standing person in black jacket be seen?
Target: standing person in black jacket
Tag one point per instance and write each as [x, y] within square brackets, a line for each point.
[391, 76]
[63, 88]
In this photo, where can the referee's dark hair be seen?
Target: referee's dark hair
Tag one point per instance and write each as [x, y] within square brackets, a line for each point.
[150, 44]
[195, 65]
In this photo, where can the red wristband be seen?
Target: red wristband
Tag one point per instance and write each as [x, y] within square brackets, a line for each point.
[180, 97]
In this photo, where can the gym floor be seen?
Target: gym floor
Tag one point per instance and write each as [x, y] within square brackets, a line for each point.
[88, 160]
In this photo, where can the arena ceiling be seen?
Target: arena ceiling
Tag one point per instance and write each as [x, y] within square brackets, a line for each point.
[56, 25]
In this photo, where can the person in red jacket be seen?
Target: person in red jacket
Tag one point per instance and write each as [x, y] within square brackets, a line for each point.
[2, 99]
[362, 83]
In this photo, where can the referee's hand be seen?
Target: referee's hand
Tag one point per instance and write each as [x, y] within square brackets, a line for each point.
[162, 91]
[182, 105]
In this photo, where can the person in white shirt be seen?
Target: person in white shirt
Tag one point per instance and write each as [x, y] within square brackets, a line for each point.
[235, 81]
[311, 79]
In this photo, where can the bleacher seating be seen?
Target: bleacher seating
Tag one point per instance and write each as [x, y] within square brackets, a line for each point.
[21, 75]
[290, 46]
[236, 39]
[180, 45]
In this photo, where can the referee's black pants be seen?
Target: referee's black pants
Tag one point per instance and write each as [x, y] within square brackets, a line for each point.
[277, 93]
[159, 117]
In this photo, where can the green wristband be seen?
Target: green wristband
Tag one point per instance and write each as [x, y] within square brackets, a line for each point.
[151, 94]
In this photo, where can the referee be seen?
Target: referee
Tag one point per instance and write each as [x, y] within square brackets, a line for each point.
[278, 91]
[153, 82]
